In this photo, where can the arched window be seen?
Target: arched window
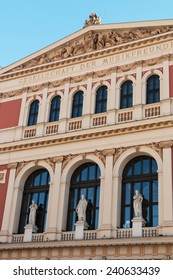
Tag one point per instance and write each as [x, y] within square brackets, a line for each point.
[126, 95]
[85, 180]
[33, 113]
[55, 109]
[77, 105]
[36, 188]
[140, 174]
[153, 89]
[101, 100]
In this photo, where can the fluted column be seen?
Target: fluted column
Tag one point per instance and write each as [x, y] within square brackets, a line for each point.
[106, 205]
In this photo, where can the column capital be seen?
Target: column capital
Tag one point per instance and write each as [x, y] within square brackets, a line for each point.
[109, 152]
[166, 144]
[12, 165]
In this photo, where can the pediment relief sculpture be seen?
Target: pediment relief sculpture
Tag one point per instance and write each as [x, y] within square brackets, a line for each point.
[93, 41]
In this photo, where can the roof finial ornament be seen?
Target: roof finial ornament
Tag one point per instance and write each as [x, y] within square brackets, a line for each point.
[93, 19]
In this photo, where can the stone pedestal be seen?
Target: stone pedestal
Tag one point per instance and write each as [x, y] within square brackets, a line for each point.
[29, 229]
[80, 226]
[137, 224]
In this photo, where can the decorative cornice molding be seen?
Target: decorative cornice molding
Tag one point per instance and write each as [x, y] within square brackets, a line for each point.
[81, 137]
[43, 63]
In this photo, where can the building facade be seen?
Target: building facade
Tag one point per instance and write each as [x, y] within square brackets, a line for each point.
[90, 114]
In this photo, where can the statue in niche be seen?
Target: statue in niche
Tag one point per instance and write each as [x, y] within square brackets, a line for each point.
[81, 209]
[32, 214]
[137, 204]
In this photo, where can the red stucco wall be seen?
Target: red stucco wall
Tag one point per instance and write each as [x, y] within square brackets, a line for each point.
[9, 113]
[171, 80]
[3, 192]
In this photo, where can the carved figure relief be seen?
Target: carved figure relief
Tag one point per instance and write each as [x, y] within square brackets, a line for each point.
[3, 176]
[93, 40]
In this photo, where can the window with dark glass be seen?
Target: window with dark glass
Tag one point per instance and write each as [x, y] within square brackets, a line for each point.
[140, 174]
[126, 95]
[77, 105]
[33, 113]
[85, 180]
[36, 188]
[153, 89]
[55, 109]
[101, 100]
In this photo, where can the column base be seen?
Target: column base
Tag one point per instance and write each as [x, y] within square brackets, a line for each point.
[105, 231]
[166, 229]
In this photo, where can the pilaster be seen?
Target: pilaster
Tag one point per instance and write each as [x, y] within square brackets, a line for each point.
[54, 200]
[5, 231]
[106, 222]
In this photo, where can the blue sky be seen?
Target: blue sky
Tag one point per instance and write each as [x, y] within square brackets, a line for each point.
[27, 26]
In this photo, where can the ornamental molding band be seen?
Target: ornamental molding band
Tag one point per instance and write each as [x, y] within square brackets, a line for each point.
[101, 154]
[76, 137]
[3, 176]
[91, 42]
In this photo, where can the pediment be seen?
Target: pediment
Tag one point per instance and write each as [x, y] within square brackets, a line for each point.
[89, 40]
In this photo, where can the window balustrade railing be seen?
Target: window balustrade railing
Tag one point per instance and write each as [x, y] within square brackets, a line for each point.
[74, 124]
[152, 111]
[125, 116]
[29, 132]
[51, 128]
[99, 120]
[90, 235]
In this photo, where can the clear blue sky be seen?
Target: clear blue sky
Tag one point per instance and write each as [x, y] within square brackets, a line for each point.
[27, 26]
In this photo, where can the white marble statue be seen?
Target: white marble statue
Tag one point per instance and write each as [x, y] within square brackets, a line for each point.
[81, 209]
[137, 204]
[32, 215]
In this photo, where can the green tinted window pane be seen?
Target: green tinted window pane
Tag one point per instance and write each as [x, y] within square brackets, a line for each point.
[127, 193]
[96, 218]
[146, 166]
[155, 215]
[98, 196]
[155, 190]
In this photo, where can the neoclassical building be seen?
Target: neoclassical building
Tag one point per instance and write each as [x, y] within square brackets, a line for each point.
[90, 114]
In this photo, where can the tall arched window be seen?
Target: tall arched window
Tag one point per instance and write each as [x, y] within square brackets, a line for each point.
[85, 180]
[33, 113]
[55, 109]
[101, 100]
[36, 188]
[126, 95]
[153, 89]
[140, 174]
[77, 105]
